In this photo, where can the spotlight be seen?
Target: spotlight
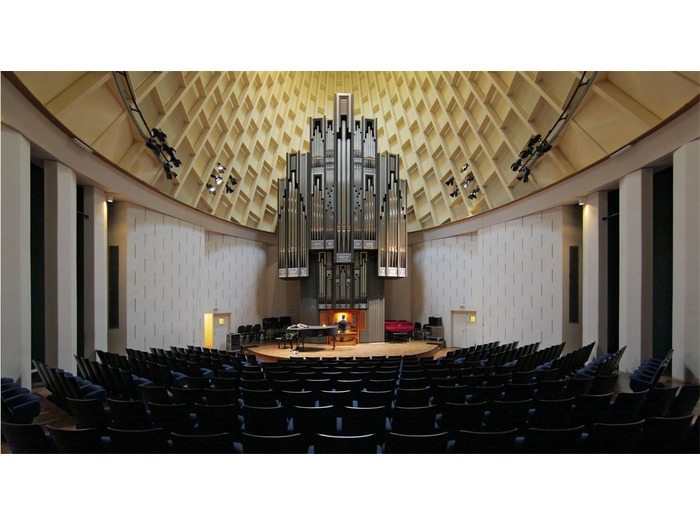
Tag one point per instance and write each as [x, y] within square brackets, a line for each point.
[468, 181]
[473, 194]
[220, 168]
[516, 165]
[464, 168]
[229, 188]
[526, 152]
[533, 140]
[217, 179]
[581, 201]
[450, 181]
[169, 173]
[232, 180]
[524, 175]
[153, 145]
[543, 148]
[454, 193]
[211, 189]
[159, 134]
[110, 197]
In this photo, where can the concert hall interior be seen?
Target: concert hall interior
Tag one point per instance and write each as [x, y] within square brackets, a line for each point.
[489, 236]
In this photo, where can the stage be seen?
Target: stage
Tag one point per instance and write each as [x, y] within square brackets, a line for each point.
[268, 350]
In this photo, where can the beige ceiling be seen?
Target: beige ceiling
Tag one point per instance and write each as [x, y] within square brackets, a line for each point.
[436, 121]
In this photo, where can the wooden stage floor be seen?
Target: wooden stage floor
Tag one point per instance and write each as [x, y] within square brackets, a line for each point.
[269, 351]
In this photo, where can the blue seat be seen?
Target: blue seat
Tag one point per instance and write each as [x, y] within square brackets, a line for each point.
[19, 405]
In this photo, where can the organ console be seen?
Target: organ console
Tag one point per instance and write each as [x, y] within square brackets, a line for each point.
[342, 210]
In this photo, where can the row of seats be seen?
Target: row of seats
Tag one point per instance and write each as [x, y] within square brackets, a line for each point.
[295, 435]
[649, 372]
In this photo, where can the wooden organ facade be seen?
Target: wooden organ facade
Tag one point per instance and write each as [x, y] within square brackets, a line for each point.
[342, 212]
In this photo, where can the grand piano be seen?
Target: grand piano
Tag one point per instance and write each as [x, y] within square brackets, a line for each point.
[300, 331]
[398, 330]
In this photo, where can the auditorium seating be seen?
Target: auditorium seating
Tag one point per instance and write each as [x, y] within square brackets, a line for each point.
[19, 405]
[649, 372]
[470, 406]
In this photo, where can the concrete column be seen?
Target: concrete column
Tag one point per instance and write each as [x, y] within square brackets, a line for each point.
[636, 276]
[595, 272]
[60, 267]
[686, 263]
[95, 271]
[15, 192]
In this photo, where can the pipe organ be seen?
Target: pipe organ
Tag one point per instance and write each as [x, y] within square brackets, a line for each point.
[342, 209]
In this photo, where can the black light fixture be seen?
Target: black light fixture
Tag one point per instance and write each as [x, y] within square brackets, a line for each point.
[211, 189]
[468, 181]
[230, 183]
[524, 175]
[217, 179]
[533, 140]
[220, 168]
[526, 152]
[169, 173]
[516, 165]
[543, 148]
[454, 193]
[473, 193]
[464, 168]
[450, 181]
[158, 134]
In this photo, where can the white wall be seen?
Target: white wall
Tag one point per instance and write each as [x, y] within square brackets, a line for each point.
[174, 272]
[234, 279]
[510, 273]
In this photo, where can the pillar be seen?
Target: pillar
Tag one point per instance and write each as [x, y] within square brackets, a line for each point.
[636, 276]
[95, 271]
[16, 336]
[686, 263]
[595, 272]
[60, 266]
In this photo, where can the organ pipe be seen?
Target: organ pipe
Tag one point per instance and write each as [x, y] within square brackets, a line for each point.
[342, 200]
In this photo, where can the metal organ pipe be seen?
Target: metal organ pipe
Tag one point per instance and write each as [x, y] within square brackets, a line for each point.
[342, 200]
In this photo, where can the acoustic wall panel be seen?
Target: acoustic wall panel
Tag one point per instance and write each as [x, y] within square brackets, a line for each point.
[510, 273]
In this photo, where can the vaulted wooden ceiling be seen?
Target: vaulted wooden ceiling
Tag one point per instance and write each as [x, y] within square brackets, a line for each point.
[437, 121]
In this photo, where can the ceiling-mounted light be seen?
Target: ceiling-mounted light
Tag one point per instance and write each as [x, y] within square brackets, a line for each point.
[169, 173]
[526, 152]
[454, 193]
[159, 134]
[464, 168]
[450, 181]
[468, 181]
[211, 189]
[524, 175]
[516, 165]
[232, 180]
[220, 168]
[543, 148]
[110, 197]
[217, 179]
[473, 193]
[581, 201]
[533, 140]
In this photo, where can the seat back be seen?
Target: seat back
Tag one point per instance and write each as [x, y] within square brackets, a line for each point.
[76, 441]
[430, 443]
[26, 438]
